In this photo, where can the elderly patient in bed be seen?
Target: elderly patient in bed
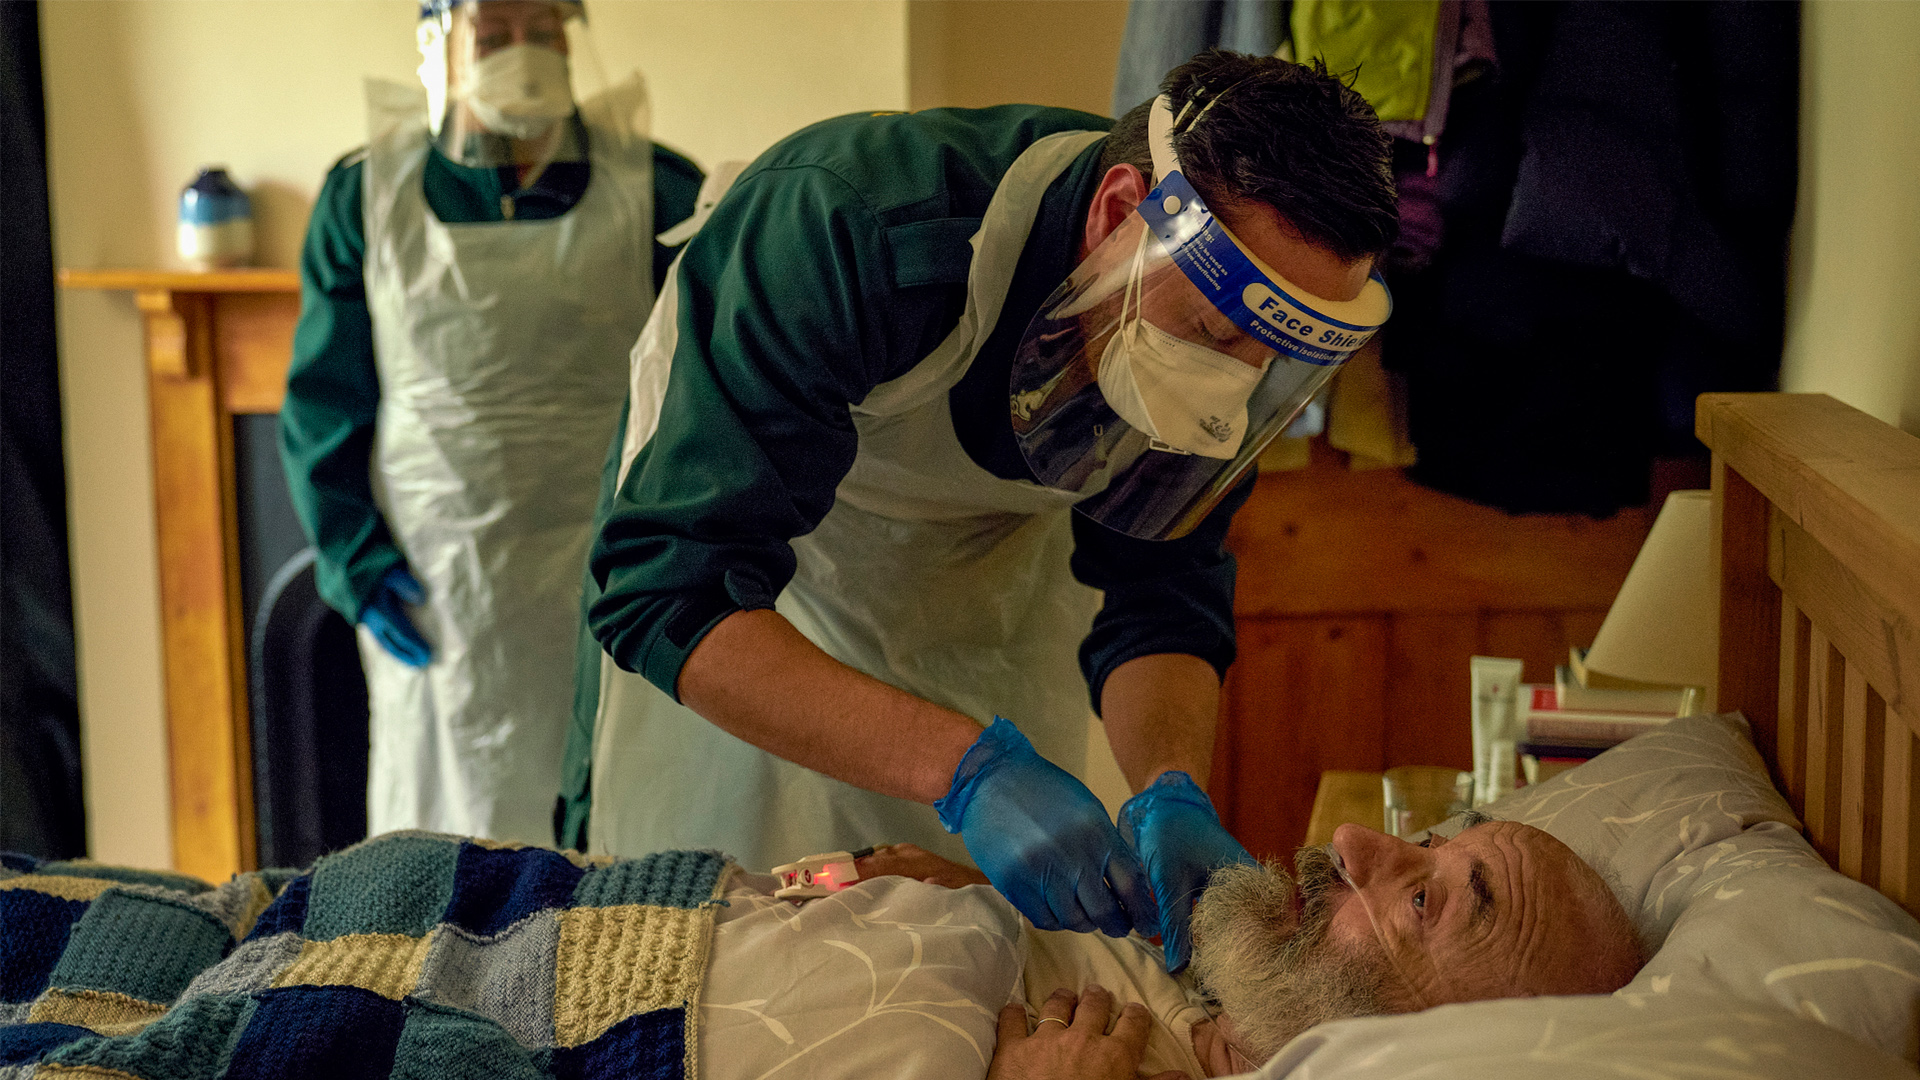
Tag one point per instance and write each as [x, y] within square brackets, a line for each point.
[541, 964]
[1365, 925]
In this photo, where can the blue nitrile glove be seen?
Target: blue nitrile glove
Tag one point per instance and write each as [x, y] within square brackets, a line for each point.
[386, 615]
[1174, 828]
[1043, 839]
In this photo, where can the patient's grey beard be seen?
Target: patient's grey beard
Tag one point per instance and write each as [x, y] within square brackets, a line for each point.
[1276, 980]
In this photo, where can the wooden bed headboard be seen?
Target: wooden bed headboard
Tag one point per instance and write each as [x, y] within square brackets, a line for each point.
[1817, 546]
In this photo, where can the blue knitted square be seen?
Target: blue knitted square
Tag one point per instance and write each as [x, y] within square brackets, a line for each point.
[650, 1046]
[447, 1044]
[33, 932]
[24, 1043]
[287, 912]
[682, 879]
[318, 1032]
[175, 942]
[493, 888]
[394, 884]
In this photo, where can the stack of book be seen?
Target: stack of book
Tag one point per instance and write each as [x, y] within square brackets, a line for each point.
[1584, 713]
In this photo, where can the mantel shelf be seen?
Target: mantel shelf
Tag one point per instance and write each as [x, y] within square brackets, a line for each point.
[240, 280]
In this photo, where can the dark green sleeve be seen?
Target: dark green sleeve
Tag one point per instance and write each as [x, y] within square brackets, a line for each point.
[787, 313]
[333, 393]
[676, 187]
[1162, 596]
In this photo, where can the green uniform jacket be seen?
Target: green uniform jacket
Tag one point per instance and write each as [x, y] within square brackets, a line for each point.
[333, 390]
[836, 263]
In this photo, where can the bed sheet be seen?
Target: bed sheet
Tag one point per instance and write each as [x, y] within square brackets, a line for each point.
[893, 977]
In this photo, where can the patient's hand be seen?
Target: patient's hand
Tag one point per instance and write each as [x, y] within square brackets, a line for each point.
[907, 860]
[1077, 1048]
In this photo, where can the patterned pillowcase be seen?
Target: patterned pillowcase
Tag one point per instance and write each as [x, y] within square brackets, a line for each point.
[1747, 920]
[1708, 859]
[1605, 1038]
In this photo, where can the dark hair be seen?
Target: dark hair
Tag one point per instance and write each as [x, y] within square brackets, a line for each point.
[1289, 135]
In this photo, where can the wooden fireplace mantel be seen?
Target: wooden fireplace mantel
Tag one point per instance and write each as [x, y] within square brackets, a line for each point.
[217, 345]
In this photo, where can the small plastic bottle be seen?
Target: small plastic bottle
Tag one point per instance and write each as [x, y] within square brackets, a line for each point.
[216, 221]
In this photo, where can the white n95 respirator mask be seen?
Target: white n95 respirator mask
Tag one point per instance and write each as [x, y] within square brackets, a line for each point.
[1186, 398]
[519, 91]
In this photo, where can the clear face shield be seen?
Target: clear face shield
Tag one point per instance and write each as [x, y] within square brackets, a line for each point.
[1155, 375]
[503, 78]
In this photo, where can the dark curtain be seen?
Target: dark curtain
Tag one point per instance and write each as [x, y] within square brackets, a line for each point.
[1614, 200]
[42, 811]
[1599, 235]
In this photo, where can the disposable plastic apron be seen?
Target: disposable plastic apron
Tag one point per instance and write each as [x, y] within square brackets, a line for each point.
[499, 348]
[929, 573]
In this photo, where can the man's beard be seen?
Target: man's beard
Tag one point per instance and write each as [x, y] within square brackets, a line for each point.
[1276, 980]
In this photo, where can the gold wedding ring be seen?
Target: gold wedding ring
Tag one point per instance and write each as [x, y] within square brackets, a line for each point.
[1050, 1020]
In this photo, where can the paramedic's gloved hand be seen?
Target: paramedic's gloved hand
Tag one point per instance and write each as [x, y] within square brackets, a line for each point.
[1043, 839]
[1172, 824]
[386, 615]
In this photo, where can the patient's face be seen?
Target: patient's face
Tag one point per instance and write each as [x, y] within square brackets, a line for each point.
[1501, 910]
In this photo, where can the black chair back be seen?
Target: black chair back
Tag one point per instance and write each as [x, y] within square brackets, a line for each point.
[309, 714]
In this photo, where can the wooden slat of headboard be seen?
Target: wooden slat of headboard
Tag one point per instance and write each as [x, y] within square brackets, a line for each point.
[1796, 635]
[1900, 817]
[1826, 682]
[1862, 740]
[1749, 667]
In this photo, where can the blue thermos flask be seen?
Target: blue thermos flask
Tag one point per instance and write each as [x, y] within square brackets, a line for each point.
[216, 221]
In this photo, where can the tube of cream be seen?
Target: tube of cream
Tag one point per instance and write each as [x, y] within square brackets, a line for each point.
[1495, 682]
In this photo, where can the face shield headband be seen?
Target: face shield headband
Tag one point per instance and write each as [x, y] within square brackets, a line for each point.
[1170, 358]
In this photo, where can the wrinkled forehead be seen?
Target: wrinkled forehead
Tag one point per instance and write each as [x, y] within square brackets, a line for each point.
[1531, 866]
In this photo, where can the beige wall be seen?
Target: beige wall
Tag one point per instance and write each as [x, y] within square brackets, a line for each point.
[974, 53]
[1853, 314]
[139, 94]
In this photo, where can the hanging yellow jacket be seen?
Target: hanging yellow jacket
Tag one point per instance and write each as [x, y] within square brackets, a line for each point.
[1390, 43]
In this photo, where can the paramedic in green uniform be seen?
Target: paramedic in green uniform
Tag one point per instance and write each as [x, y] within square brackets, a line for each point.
[885, 478]
[472, 282]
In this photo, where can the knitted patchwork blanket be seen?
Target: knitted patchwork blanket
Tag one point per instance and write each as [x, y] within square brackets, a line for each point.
[408, 955]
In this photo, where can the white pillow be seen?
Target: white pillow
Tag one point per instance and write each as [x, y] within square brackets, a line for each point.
[1681, 1037]
[1709, 861]
[1750, 927]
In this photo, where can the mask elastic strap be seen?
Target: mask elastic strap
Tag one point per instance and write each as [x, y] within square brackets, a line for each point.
[1134, 295]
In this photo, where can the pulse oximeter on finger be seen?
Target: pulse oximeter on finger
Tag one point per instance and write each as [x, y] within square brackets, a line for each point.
[818, 875]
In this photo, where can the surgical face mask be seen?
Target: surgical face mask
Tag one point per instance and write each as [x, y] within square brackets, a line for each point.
[519, 91]
[1185, 397]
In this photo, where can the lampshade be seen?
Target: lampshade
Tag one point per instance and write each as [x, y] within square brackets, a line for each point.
[1664, 625]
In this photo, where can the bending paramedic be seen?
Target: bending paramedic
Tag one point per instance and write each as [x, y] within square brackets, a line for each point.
[938, 426]
[472, 281]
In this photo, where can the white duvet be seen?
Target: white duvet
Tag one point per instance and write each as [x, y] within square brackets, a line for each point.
[893, 977]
